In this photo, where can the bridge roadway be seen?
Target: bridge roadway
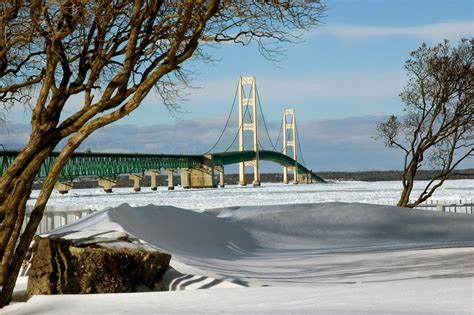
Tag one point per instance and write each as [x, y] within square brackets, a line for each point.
[108, 165]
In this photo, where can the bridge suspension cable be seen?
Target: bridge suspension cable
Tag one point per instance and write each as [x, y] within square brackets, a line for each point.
[246, 115]
[226, 123]
[264, 121]
[299, 145]
[278, 138]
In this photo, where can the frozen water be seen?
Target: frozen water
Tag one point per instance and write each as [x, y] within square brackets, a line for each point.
[385, 192]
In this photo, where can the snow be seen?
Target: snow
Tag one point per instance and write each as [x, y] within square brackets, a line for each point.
[330, 258]
[386, 192]
[440, 296]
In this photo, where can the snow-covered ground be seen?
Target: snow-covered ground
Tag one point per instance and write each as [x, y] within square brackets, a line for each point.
[267, 194]
[274, 256]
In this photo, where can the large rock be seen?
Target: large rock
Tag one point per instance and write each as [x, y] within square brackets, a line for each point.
[61, 266]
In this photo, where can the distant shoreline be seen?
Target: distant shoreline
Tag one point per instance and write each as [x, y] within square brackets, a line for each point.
[372, 176]
[365, 176]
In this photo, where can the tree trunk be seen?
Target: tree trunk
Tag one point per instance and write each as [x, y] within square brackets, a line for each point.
[17, 248]
[405, 196]
[16, 185]
[408, 183]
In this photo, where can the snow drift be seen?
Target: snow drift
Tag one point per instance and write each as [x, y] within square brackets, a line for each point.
[238, 231]
[330, 258]
[296, 244]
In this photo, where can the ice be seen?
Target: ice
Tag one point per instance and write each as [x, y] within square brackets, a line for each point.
[386, 192]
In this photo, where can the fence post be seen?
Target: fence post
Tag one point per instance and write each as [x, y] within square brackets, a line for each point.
[49, 218]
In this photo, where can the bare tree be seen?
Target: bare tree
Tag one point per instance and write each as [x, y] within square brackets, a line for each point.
[437, 130]
[111, 54]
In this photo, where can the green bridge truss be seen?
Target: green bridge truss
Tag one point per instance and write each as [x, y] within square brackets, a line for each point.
[277, 157]
[113, 164]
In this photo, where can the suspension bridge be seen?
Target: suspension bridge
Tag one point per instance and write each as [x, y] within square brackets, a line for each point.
[239, 143]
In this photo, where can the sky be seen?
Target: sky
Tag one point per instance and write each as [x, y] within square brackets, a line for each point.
[341, 80]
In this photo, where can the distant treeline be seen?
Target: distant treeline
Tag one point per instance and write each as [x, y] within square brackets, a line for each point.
[367, 176]
[370, 176]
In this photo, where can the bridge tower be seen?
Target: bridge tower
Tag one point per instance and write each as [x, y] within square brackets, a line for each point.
[248, 104]
[289, 142]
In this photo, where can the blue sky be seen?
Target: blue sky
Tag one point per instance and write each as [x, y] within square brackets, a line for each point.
[352, 65]
[348, 71]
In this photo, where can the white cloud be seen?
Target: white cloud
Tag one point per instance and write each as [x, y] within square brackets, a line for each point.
[439, 31]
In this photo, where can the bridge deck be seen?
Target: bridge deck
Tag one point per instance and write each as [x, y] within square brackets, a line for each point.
[113, 164]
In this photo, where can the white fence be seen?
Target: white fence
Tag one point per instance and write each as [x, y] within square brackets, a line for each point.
[57, 216]
[444, 205]
[457, 206]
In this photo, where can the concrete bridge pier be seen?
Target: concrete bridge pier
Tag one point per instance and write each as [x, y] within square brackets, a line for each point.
[63, 187]
[220, 170]
[242, 181]
[285, 175]
[170, 173]
[185, 178]
[305, 178]
[296, 176]
[153, 175]
[136, 181]
[197, 178]
[256, 173]
[201, 177]
[221, 180]
[107, 184]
